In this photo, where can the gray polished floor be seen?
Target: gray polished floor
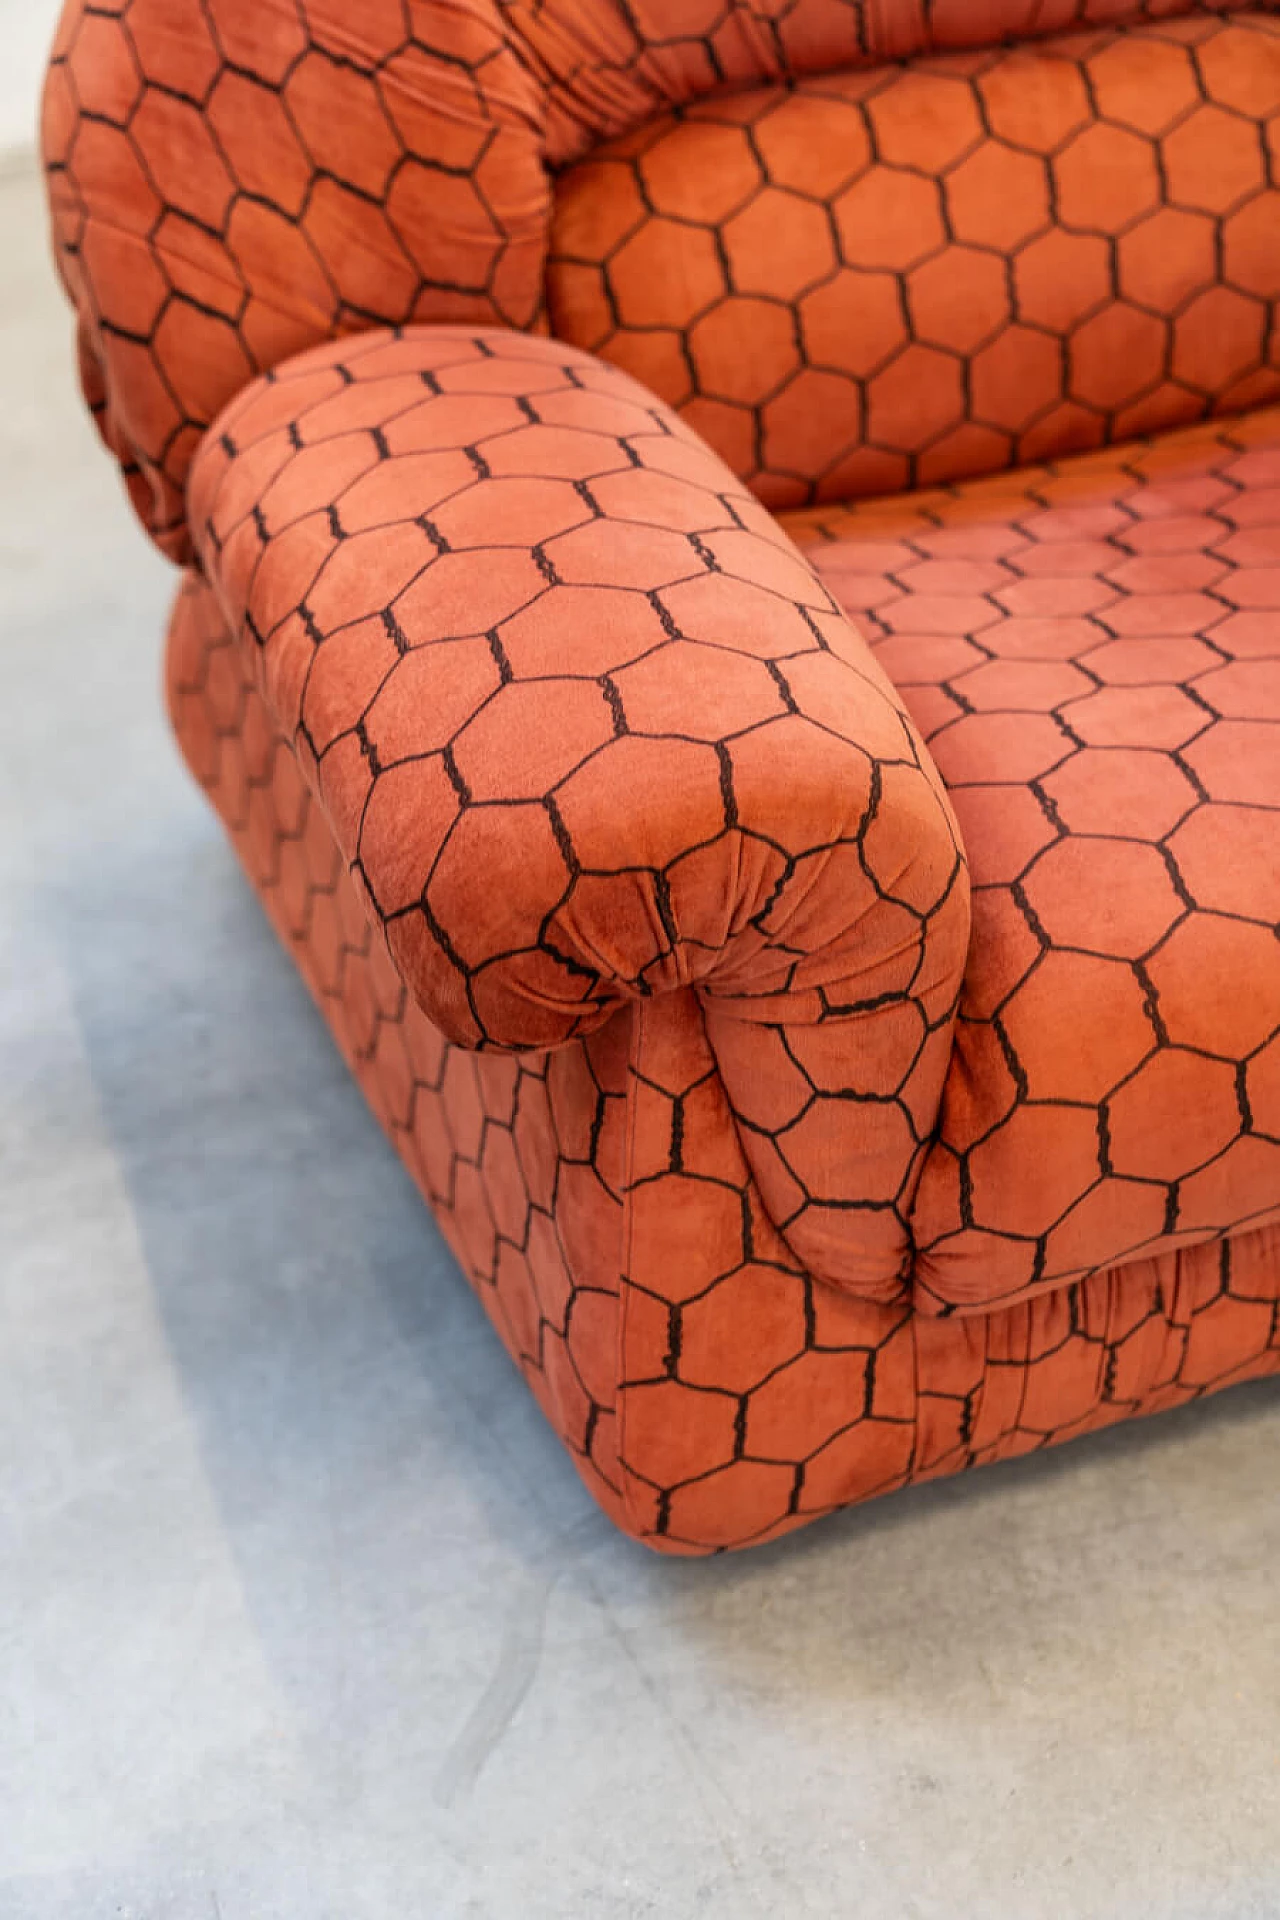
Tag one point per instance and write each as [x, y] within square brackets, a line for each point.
[303, 1613]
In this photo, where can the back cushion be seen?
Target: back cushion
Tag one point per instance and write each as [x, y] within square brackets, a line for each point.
[898, 276]
[234, 180]
[610, 65]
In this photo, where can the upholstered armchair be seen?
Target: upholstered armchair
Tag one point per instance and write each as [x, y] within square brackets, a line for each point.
[730, 606]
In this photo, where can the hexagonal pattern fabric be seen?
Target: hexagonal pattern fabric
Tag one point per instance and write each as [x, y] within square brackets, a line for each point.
[589, 730]
[823, 971]
[1093, 655]
[231, 183]
[1070, 641]
[609, 66]
[889, 278]
[711, 1392]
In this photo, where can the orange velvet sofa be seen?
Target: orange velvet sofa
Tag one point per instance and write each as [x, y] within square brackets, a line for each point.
[730, 606]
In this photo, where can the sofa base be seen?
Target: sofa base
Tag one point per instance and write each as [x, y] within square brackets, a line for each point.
[700, 1417]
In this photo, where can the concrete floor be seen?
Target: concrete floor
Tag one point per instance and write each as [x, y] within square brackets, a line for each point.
[304, 1614]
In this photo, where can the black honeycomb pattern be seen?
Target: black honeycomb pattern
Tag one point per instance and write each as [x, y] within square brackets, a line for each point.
[720, 1409]
[884, 279]
[1092, 654]
[588, 729]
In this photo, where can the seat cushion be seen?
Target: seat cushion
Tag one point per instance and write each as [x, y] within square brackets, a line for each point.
[1092, 651]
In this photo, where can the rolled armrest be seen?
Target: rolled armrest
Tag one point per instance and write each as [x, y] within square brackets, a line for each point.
[588, 729]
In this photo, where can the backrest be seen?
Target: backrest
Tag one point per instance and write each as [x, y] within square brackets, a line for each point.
[903, 274]
[234, 180]
[850, 273]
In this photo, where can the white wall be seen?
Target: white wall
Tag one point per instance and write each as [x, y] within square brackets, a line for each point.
[26, 33]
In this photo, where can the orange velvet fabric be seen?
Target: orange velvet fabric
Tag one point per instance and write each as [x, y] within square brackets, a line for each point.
[610, 65]
[1092, 653]
[588, 729]
[232, 181]
[711, 1392]
[628, 836]
[888, 278]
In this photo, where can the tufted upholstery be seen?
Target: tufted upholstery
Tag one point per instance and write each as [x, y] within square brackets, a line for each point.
[820, 964]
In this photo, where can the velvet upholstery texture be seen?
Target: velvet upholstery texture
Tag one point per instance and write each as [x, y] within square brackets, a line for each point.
[808, 917]
[1092, 655]
[519, 624]
[711, 1392]
[892, 277]
[231, 182]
